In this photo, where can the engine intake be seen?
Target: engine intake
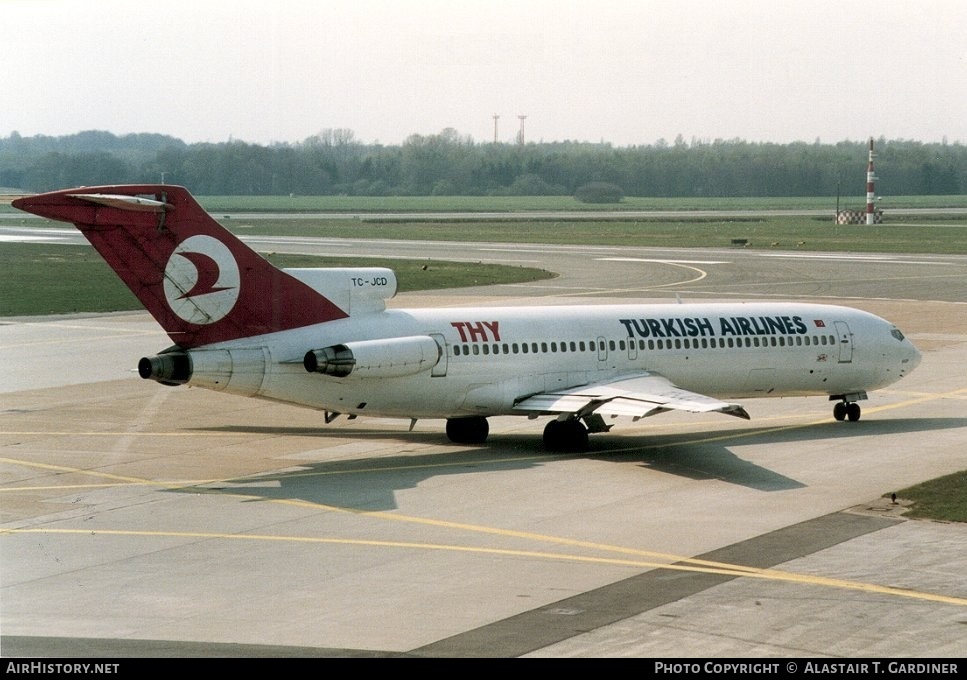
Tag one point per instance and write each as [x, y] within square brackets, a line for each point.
[389, 358]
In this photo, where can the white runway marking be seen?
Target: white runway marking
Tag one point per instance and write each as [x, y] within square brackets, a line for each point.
[640, 259]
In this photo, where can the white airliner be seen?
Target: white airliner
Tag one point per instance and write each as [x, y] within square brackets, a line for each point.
[323, 338]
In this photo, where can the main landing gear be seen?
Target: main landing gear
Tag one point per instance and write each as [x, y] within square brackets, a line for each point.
[847, 410]
[566, 436]
[472, 430]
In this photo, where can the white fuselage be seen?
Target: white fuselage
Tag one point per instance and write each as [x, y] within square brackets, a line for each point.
[491, 357]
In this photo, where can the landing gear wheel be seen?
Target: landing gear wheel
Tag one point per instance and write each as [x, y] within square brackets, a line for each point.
[568, 436]
[473, 430]
[853, 412]
[839, 411]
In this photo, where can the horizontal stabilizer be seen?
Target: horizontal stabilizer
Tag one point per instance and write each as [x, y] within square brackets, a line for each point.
[137, 203]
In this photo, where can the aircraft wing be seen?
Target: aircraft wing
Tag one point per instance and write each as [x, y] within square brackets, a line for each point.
[637, 396]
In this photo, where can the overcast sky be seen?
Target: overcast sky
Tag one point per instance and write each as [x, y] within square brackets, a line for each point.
[624, 72]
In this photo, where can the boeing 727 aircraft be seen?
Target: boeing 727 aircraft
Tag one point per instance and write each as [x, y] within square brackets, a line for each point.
[323, 338]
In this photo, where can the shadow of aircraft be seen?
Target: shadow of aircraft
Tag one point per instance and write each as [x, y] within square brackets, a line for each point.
[370, 483]
[707, 454]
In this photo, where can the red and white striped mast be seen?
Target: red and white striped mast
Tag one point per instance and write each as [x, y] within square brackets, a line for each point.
[870, 177]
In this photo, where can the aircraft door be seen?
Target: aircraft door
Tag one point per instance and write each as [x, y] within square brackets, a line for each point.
[845, 341]
[440, 369]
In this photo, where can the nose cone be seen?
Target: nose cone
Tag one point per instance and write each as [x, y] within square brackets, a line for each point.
[912, 358]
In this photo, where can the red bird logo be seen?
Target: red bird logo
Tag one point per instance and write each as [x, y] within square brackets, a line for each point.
[208, 273]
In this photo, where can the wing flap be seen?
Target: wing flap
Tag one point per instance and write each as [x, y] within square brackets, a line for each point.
[635, 396]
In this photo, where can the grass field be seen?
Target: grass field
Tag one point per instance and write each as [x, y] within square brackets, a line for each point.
[944, 498]
[937, 235]
[61, 279]
[948, 236]
[83, 283]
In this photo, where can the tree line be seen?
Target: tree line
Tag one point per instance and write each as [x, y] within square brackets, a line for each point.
[334, 162]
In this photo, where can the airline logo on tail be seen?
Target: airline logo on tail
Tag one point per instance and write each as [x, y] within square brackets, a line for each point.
[201, 280]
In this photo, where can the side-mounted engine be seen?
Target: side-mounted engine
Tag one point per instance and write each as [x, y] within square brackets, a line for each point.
[389, 358]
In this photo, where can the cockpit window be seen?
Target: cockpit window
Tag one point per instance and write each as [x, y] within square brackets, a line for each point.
[897, 334]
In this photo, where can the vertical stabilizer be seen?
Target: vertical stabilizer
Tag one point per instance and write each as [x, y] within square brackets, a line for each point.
[200, 282]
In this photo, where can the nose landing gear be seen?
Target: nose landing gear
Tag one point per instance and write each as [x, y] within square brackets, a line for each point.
[844, 410]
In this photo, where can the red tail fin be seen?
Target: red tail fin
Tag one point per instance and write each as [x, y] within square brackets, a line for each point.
[199, 281]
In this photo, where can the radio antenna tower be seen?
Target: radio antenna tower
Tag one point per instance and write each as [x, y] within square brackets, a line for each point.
[520, 135]
[870, 192]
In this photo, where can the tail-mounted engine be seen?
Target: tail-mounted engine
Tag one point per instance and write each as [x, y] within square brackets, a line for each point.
[389, 358]
[172, 368]
[238, 371]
